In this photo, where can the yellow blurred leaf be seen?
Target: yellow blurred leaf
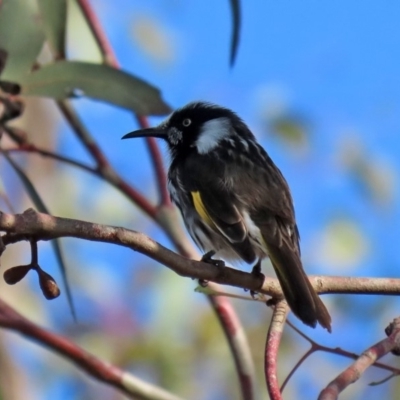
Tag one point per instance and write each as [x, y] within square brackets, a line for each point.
[153, 39]
[290, 129]
[374, 176]
[342, 245]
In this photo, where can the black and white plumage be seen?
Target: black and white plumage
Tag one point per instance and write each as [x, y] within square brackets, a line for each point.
[234, 200]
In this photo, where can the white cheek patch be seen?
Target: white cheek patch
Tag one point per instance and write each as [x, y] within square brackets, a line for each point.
[212, 132]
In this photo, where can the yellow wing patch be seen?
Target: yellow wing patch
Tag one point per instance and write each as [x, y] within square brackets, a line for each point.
[201, 210]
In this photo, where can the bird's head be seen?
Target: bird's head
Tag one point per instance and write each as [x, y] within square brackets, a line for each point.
[197, 127]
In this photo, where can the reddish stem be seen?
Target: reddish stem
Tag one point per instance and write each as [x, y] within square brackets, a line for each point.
[272, 347]
[237, 342]
[110, 59]
[155, 155]
[98, 33]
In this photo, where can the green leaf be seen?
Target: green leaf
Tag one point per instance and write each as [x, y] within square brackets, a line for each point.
[236, 23]
[68, 78]
[21, 36]
[54, 19]
[38, 202]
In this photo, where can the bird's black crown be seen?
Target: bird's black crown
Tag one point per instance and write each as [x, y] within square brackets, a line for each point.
[202, 123]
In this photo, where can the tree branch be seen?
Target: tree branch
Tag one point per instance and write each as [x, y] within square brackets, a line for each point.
[364, 361]
[134, 387]
[46, 227]
[274, 336]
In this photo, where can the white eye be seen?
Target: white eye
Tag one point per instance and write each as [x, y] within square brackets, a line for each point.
[186, 122]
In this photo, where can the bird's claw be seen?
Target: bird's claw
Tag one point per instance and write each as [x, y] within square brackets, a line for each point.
[203, 283]
[207, 258]
[272, 302]
[256, 271]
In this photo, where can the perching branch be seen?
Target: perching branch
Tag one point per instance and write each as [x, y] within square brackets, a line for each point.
[46, 227]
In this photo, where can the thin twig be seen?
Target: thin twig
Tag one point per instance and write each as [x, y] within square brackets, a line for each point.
[296, 367]
[49, 154]
[83, 134]
[332, 350]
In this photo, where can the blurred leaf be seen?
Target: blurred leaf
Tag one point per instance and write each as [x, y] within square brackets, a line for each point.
[373, 177]
[376, 179]
[54, 19]
[21, 36]
[236, 23]
[71, 78]
[4, 197]
[33, 194]
[60, 259]
[291, 129]
[153, 39]
[342, 245]
[36, 199]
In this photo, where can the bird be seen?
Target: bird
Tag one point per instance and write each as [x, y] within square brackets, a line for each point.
[234, 201]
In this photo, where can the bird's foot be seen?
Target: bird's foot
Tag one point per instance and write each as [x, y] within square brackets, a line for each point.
[256, 271]
[273, 301]
[208, 258]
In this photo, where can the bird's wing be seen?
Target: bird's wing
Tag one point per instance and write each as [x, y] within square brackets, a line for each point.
[216, 204]
[260, 183]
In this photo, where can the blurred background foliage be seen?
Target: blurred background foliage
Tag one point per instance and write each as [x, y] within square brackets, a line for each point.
[316, 82]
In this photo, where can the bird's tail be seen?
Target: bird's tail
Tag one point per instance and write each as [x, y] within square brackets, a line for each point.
[300, 295]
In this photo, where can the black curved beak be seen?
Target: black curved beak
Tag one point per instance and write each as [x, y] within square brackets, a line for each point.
[156, 132]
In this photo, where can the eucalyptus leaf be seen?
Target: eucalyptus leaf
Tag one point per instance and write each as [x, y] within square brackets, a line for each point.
[54, 19]
[21, 37]
[67, 79]
[236, 23]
